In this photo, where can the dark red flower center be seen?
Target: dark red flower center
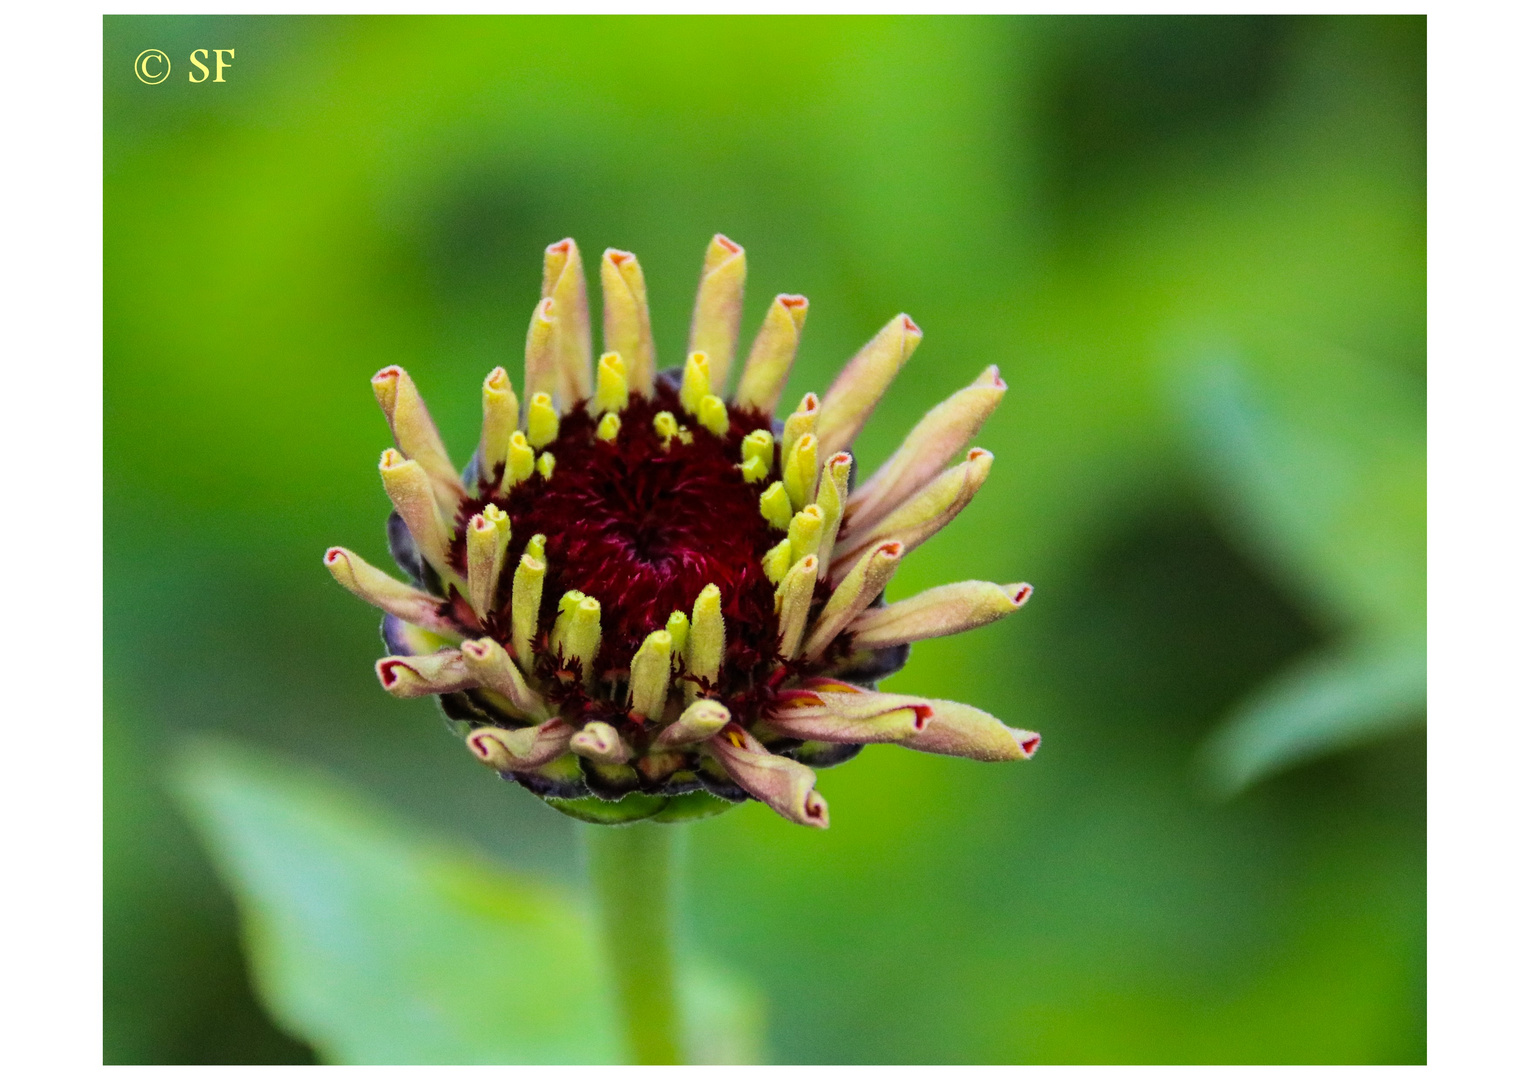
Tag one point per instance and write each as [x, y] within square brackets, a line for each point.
[642, 524]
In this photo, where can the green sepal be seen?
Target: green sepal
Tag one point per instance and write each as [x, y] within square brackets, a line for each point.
[692, 806]
[634, 807]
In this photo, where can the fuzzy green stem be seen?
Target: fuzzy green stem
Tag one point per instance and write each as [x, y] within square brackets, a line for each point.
[631, 869]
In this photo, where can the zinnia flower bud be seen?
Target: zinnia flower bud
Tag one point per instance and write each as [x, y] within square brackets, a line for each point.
[642, 589]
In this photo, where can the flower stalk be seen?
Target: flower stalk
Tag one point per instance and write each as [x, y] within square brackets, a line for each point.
[631, 871]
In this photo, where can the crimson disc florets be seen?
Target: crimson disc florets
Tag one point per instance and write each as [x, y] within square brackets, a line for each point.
[643, 601]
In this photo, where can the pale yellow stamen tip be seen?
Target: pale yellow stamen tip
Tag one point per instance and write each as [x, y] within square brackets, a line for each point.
[545, 464]
[777, 561]
[805, 532]
[648, 686]
[708, 638]
[695, 383]
[800, 471]
[713, 415]
[541, 421]
[576, 633]
[612, 389]
[609, 427]
[535, 547]
[666, 426]
[678, 627]
[522, 460]
[775, 505]
[758, 443]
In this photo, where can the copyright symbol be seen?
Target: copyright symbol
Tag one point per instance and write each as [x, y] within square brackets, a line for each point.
[152, 67]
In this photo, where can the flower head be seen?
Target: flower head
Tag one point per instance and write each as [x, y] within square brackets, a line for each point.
[644, 599]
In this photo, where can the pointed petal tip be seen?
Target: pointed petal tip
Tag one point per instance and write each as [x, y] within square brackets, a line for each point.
[478, 649]
[1020, 593]
[391, 671]
[814, 810]
[910, 327]
[561, 247]
[1028, 742]
[484, 746]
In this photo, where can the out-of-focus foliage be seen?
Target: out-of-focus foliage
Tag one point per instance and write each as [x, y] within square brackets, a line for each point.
[1329, 485]
[1191, 244]
[385, 947]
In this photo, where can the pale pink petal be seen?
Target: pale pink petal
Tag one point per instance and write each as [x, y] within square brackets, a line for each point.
[785, 786]
[937, 612]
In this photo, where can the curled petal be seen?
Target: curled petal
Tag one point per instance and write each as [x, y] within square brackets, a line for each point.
[774, 350]
[921, 516]
[492, 667]
[443, 672]
[383, 591]
[854, 394]
[541, 350]
[786, 786]
[719, 307]
[409, 488]
[628, 327]
[501, 413]
[562, 282]
[415, 432]
[825, 723]
[598, 741]
[703, 719]
[795, 594]
[949, 727]
[856, 592]
[521, 749]
[938, 612]
[832, 494]
[927, 448]
[965, 731]
[487, 542]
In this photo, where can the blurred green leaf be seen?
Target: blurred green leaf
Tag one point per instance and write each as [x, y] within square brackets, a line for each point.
[1323, 462]
[724, 1016]
[1323, 458]
[1327, 703]
[380, 945]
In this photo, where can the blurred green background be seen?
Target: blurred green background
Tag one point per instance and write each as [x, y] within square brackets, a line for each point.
[1196, 248]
